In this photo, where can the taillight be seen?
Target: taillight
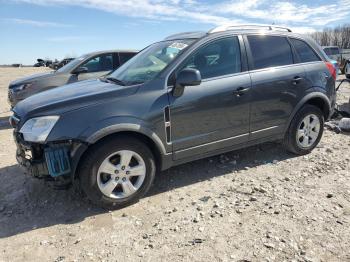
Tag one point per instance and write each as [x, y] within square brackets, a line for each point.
[332, 70]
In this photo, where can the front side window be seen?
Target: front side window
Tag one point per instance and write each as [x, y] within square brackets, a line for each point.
[270, 51]
[99, 63]
[147, 64]
[306, 54]
[72, 64]
[220, 57]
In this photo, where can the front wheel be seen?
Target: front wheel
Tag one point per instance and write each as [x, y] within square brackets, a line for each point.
[117, 172]
[305, 130]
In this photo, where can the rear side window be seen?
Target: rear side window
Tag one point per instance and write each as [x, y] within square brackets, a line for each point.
[305, 52]
[270, 51]
[218, 58]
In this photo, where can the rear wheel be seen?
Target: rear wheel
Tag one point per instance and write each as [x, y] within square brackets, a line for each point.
[117, 172]
[305, 130]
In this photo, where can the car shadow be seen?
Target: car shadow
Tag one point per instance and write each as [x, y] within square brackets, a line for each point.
[4, 123]
[28, 204]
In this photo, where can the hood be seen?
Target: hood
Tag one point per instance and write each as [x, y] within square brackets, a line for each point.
[31, 78]
[69, 97]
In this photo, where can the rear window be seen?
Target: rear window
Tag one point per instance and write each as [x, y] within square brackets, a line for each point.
[270, 51]
[305, 52]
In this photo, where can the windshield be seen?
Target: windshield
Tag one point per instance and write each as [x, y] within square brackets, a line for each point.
[72, 64]
[146, 65]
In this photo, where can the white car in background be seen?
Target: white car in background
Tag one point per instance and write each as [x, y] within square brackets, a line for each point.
[335, 53]
[347, 69]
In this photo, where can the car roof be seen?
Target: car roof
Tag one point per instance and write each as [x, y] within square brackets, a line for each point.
[187, 35]
[271, 30]
[201, 34]
[112, 51]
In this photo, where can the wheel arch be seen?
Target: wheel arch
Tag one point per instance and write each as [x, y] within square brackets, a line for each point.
[322, 104]
[135, 129]
[130, 130]
[317, 99]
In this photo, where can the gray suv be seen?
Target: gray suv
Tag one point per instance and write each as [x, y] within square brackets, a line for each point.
[190, 96]
[87, 66]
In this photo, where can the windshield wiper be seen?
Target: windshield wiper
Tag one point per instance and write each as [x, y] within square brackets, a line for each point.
[114, 80]
[136, 82]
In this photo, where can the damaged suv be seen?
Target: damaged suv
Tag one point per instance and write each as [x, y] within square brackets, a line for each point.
[190, 96]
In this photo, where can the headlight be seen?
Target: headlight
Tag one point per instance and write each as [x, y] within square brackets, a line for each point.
[21, 87]
[37, 129]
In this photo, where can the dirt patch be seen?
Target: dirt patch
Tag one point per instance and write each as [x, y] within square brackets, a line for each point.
[256, 204]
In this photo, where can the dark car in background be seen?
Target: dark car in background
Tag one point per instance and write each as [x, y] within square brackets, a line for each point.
[190, 96]
[347, 69]
[92, 65]
[58, 64]
[42, 63]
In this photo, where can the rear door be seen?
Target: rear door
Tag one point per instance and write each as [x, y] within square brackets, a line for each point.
[212, 115]
[277, 83]
[317, 74]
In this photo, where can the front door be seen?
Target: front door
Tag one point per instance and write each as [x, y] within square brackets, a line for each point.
[213, 114]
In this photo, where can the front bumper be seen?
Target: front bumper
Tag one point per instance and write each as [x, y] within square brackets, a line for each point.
[48, 160]
[30, 158]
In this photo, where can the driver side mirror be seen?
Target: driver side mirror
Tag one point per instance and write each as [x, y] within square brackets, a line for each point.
[187, 77]
[80, 70]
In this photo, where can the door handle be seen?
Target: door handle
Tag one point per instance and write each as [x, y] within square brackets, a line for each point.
[296, 80]
[240, 91]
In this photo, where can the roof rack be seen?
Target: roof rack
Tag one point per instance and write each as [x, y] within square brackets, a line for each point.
[185, 34]
[249, 27]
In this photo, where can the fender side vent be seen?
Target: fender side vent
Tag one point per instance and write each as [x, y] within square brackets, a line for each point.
[167, 124]
[167, 114]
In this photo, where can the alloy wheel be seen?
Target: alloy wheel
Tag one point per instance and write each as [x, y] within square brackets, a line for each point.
[308, 131]
[121, 174]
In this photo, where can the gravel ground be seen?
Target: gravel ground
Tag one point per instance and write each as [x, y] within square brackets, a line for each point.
[256, 204]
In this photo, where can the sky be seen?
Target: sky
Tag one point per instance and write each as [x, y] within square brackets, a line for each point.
[31, 29]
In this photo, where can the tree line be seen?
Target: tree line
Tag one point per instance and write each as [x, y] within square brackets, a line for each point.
[338, 36]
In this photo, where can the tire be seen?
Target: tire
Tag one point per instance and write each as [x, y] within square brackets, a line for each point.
[108, 155]
[347, 76]
[294, 140]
